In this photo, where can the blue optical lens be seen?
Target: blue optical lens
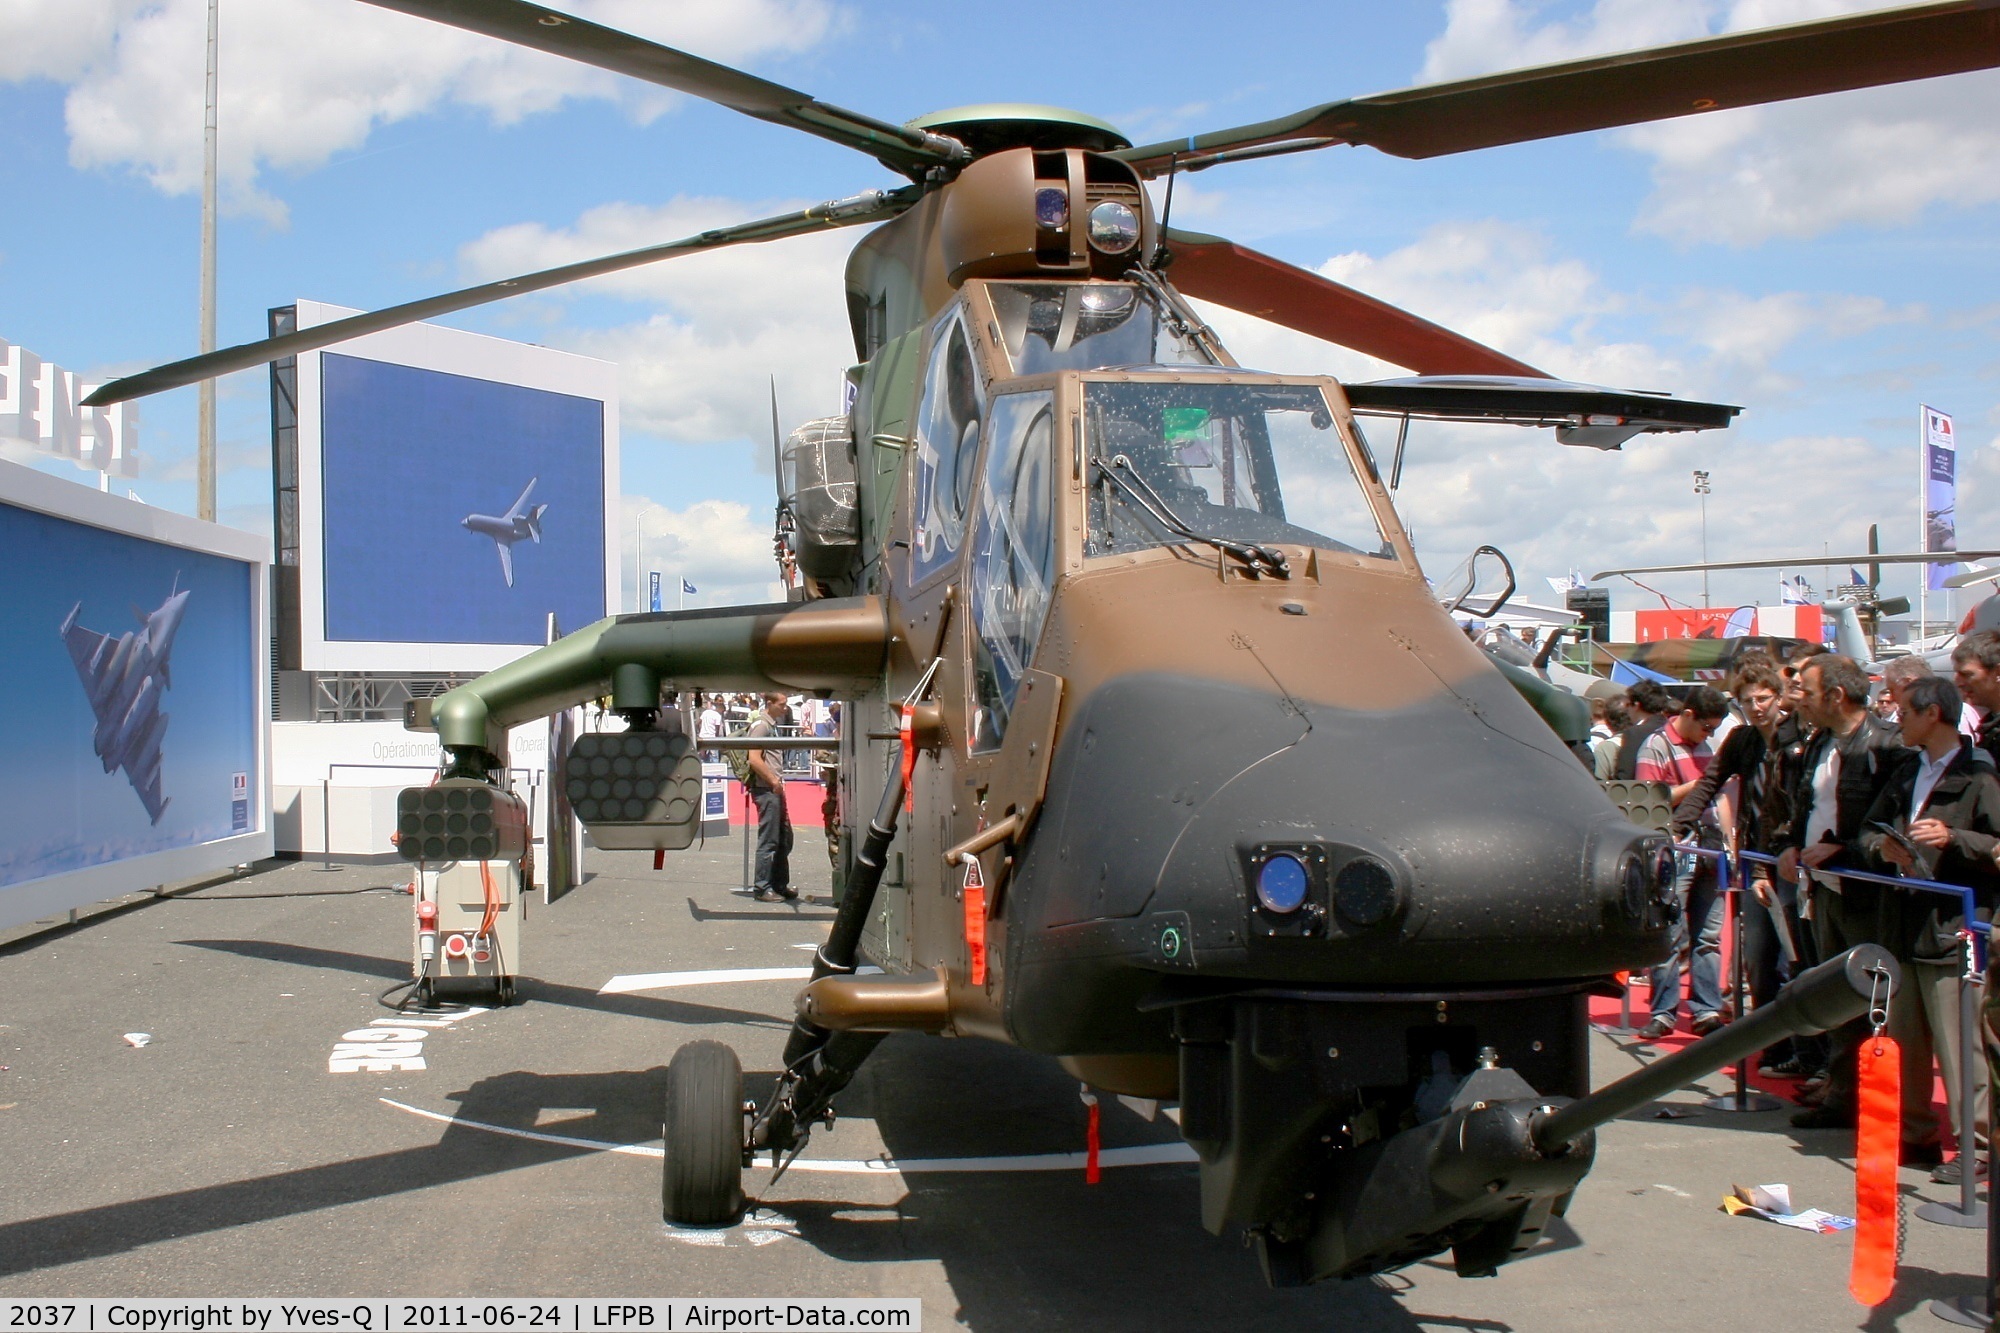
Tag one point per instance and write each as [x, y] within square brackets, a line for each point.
[1281, 884]
[1051, 209]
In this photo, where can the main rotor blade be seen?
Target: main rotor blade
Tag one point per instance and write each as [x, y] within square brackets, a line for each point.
[869, 206]
[1807, 562]
[898, 147]
[1709, 74]
[1210, 268]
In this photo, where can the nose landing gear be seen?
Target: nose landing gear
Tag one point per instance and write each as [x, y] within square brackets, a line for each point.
[703, 1180]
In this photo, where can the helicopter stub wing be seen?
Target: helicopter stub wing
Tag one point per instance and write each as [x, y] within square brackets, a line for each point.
[868, 206]
[899, 147]
[1628, 88]
[1210, 268]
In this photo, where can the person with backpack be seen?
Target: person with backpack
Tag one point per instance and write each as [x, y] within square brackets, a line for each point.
[764, 781]
[1650, 706]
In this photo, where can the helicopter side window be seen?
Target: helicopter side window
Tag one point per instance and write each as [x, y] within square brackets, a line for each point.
[1013, 558]
[1245, 462]
[947, 450]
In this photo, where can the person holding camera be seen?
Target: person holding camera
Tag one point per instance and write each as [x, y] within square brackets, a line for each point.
[1938, 820]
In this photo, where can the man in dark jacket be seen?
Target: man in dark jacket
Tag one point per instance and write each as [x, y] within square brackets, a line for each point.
[1852, 758]
[1946, 807]
[1975, 665]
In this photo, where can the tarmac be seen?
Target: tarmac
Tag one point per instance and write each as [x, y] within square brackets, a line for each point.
[225, 1157]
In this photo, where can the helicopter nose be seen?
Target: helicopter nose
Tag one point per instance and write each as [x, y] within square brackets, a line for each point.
[1280, 839]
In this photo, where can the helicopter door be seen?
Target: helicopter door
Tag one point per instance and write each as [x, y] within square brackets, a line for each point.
[1013, 559]
[947, 451]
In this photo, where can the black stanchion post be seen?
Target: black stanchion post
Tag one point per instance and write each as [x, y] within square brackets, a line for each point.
[1969, 1212]
[1732, 884]
[1977, 1311]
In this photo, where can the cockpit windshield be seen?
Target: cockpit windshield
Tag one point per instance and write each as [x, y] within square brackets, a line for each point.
[1086, 326]
[1252, 463]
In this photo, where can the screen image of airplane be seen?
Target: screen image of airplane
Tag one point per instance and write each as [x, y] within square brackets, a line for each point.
[128, 692]
[455, 509]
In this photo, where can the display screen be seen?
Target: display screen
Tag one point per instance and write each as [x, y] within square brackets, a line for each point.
[457, 510]
[127, 695]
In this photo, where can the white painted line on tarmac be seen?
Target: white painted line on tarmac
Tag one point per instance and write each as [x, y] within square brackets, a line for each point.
[564, 1140]
[638, 981]
[1149, 1154]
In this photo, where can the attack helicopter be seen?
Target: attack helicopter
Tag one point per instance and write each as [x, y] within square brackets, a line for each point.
[1161, 758]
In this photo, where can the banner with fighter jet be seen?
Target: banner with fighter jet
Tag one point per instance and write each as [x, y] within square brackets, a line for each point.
[131, 696]
[455, 490]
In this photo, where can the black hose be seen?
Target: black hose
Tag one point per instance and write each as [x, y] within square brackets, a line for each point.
[819, 1063]
[843, 939]
[383, 998]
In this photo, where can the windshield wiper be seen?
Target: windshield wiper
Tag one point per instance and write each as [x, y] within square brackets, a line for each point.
[1258, 558]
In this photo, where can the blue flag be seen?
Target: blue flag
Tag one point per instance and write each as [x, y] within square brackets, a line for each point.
[687, 587]
[656, 590]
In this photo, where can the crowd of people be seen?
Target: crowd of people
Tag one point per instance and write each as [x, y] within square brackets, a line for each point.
[1809, 762]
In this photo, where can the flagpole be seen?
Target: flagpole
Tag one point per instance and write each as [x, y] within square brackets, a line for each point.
[684, 590]
[1923, 527]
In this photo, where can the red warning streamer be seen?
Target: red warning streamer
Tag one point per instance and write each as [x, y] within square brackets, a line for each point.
[975, 924]
[1877, 1146]
[909, 758]
[1092, 1172]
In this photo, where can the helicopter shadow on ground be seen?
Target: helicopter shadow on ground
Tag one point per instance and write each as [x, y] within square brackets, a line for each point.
[787, 912]
[1045, 1249]
[616, 1107]
[532, 990]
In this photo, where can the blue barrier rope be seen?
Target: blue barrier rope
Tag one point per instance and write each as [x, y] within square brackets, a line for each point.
[1967, 900]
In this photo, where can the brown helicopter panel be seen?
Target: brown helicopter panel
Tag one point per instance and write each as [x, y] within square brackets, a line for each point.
[1356, 637]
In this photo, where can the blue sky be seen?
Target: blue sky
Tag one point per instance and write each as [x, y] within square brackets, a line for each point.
[1826, 264]
[59, 809]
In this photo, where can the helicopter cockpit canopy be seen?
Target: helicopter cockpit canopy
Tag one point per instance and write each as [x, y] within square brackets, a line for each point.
[1048, 326]
[1259, 463]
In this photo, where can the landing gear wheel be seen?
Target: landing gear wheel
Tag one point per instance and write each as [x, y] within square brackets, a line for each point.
[503, 991]
[703, 1182]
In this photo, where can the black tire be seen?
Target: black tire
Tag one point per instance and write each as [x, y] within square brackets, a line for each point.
[703, 1181]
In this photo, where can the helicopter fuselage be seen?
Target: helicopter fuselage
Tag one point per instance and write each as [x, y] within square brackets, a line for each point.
[1209, 797]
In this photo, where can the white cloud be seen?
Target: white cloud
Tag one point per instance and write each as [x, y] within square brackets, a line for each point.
[1878, 157]
[700, 368]
[718, 546]
[1482, 36]
[302, 80]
